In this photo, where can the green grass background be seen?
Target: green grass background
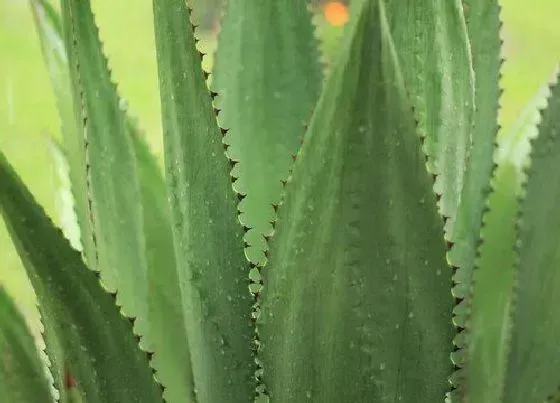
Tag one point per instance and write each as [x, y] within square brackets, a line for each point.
[27, 111]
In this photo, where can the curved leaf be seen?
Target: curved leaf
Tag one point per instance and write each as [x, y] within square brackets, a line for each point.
[493, 293]
[535, 361]
[208, 238]
[267, 76]
[22, 374]
[88, 341]
[356, 303]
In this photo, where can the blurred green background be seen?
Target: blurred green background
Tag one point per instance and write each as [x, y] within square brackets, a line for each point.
[530, 32]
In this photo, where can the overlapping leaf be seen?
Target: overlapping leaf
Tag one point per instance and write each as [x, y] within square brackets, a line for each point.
[90, 344]
[267, 76]
[208, 238]
[482, 17]
[167, 334]
[356, 303]
[112, 185]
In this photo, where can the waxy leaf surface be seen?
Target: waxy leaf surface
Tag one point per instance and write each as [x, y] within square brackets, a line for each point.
[208, 238]
[268, 76]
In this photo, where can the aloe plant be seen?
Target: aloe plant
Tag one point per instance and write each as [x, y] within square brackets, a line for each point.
[360, 235]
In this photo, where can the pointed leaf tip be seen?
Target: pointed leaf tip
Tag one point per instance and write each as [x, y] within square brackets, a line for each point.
[352, 285]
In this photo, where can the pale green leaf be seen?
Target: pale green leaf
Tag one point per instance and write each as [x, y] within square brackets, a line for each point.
[64, 198]
[208, 239]
[49, 29]
[87, 338]
[268, 76]
[356, 304]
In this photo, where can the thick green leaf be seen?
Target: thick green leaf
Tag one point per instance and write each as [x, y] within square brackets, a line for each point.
[167, 335]
[113, 187]
[356, 304]
[535, 360]
[208, 239]
[489, 327]
[88, 340]
[267, 76]
[49, 29]
[433, 47]
[483, 25]
[22, 374]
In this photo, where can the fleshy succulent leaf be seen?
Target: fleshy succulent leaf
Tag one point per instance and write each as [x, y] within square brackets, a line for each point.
[22, 374]
[268, 76]
[90, 344]
[113, 189]
[432, 43]
[208, 239]
[166, 333]
[534, 363]
[493, 292]
[356, 303]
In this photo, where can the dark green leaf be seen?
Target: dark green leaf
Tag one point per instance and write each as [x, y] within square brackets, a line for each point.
[88, 340]
[356, 304]
[22, 374]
